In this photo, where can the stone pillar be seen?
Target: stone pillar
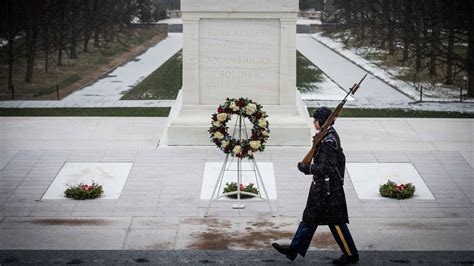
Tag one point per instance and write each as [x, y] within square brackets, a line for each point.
[287, 61]
[190, 61]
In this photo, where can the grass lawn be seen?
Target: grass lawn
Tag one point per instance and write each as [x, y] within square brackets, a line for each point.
[163, 84]
[164, 111]
[307, 74]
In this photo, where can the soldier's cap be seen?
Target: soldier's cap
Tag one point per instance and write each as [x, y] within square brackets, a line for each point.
[322, 114]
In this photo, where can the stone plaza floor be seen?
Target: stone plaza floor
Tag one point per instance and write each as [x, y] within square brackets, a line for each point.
[160, 208]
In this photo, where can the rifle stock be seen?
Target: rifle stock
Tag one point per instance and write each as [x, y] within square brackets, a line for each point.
[328, 123]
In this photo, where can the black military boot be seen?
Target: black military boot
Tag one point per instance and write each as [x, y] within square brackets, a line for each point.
[285, 250]
[344, 259]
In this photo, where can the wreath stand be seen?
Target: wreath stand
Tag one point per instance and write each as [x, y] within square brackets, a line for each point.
[239, 127]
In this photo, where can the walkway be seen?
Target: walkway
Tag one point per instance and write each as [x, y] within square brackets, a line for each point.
[345, 73]
[160, 207]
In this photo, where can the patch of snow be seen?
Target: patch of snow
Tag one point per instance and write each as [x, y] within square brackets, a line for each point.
[326, 90]
[439, 93]
[171, 21]
[305, 21]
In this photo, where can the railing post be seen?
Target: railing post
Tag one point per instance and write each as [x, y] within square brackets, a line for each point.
[57, 91]
[421, 93]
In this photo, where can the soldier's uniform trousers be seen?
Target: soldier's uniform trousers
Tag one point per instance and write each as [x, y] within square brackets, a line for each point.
[305, 233]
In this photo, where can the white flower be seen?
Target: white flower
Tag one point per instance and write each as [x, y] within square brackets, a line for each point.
[250, 152]
[225, 143]
[221, 117]
[262, 122]
[250, 109]
[255, 144]
[237, 149]
[234, 107]
[265, 133]
[218, 135]
[216, 123]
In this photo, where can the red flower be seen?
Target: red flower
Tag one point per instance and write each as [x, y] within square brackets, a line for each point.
[220, 110]
[242, 187]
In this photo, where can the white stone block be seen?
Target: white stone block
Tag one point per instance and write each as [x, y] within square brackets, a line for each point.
[367, 178]
[111, 176]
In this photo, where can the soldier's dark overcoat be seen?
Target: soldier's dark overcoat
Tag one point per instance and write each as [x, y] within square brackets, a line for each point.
[328, 160]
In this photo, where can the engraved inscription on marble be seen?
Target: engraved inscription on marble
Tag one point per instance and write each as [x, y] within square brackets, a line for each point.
[239, 57]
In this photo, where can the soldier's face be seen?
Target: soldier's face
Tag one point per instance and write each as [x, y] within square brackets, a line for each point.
[316, 124]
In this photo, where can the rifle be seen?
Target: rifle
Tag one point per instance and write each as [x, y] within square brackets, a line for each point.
[328, 123]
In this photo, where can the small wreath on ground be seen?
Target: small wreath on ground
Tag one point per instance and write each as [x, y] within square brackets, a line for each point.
[392, 190]
[241, 148]
[232, 187]
[84, 191]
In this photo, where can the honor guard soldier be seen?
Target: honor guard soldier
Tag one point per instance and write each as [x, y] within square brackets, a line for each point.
[326, 203]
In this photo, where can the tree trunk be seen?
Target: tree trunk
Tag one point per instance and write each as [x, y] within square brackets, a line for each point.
[11, 38]
[46, 48]
[435, 31]
[417, 51]
[85, 45]
[434, 50]
[72, 31]
[11, 59]
[470, 59]
[470, 53]
[407, 28]
[61, 27]
[33, 9]
[449, 55]
[60, 49]
[406, 50]
[96, 37]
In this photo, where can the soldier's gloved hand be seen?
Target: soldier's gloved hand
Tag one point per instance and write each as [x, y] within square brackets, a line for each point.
[304, 167]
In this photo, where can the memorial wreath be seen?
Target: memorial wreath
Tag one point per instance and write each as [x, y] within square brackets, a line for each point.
[240, 148]
[392, 190]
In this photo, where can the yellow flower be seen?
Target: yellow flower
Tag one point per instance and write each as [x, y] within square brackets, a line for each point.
[265, 133]
[218, 135]
[262, 122]
[234, 107]
[237, 149]
[216, 123]
[225, 143]
[255, 144]
[221, 117]
[250, 109]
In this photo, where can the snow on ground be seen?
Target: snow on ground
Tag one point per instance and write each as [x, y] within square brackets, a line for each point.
[430, 93]
[171, 21]
[305, 21]
[326, 90]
